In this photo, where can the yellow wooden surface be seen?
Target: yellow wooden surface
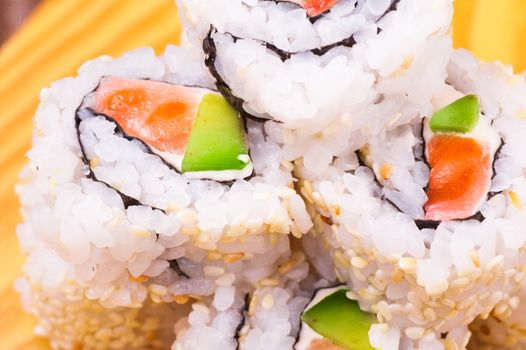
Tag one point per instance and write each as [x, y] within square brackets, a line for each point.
[62, 34]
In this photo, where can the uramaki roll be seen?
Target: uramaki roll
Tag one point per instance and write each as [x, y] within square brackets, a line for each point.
[145, 186]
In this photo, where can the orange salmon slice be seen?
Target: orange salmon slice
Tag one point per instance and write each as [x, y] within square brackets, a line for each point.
[460, 177]
[160, 114]
[315, 7]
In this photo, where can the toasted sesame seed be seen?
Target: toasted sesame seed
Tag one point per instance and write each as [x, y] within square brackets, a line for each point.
[181, 299]
[397, 276]
[386, 171]
[233, 257]
[516, 200]
[139, 279]
[213, 255]
[474, 258]
[94, 162]
[286, 267]
[142, 233]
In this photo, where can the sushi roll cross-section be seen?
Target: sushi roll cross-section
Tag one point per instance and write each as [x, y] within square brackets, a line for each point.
[193, 129]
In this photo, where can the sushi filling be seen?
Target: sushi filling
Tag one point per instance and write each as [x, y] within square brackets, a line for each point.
[313, 8]
[194, 130]
[331, 321]
[460, 148]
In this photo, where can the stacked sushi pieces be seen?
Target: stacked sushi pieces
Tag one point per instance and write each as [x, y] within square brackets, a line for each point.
[305, 175]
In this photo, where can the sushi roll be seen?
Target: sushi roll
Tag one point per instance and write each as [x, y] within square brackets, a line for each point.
[309, 64]
[145, 190]
[425, 220]
[260, 315]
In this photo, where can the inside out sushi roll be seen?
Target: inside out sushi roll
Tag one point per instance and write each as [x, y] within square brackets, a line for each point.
[425, 220]
[273, 60]
[146, 187]
[260, 315]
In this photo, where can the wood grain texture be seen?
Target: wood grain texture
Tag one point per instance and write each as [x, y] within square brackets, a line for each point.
[58, 37]
[62, 34]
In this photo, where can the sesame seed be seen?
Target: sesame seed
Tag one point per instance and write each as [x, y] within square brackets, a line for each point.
[142, 233]
[358, 262]
[384, 310]
[407, 264]
[139, 279]
[474, 258]
[269, 282]
[430, 314]
[514, 302]
[253, 305]
[267, 302]
[213, 255]
[397, 276]
[414, 332]
[226, 280]
[94, 162]
[495, 262]
[213, 271]
[158, 289]
[386, 171]
[233, 257]
[516, 200]
[181, 299]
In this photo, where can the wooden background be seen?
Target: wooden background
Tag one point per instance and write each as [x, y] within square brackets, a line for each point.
[61, 34]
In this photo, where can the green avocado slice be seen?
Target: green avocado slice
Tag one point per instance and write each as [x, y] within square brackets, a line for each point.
[217, 138]
[460, 116]
[341, 321]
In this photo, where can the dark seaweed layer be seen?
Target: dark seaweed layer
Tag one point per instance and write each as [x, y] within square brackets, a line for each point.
[174, 265]
[209, 47]
[210, 50]
[432, 224]
[244, 317]
[127, 201]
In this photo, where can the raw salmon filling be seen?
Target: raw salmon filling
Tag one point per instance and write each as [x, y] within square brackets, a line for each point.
[193, 129]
